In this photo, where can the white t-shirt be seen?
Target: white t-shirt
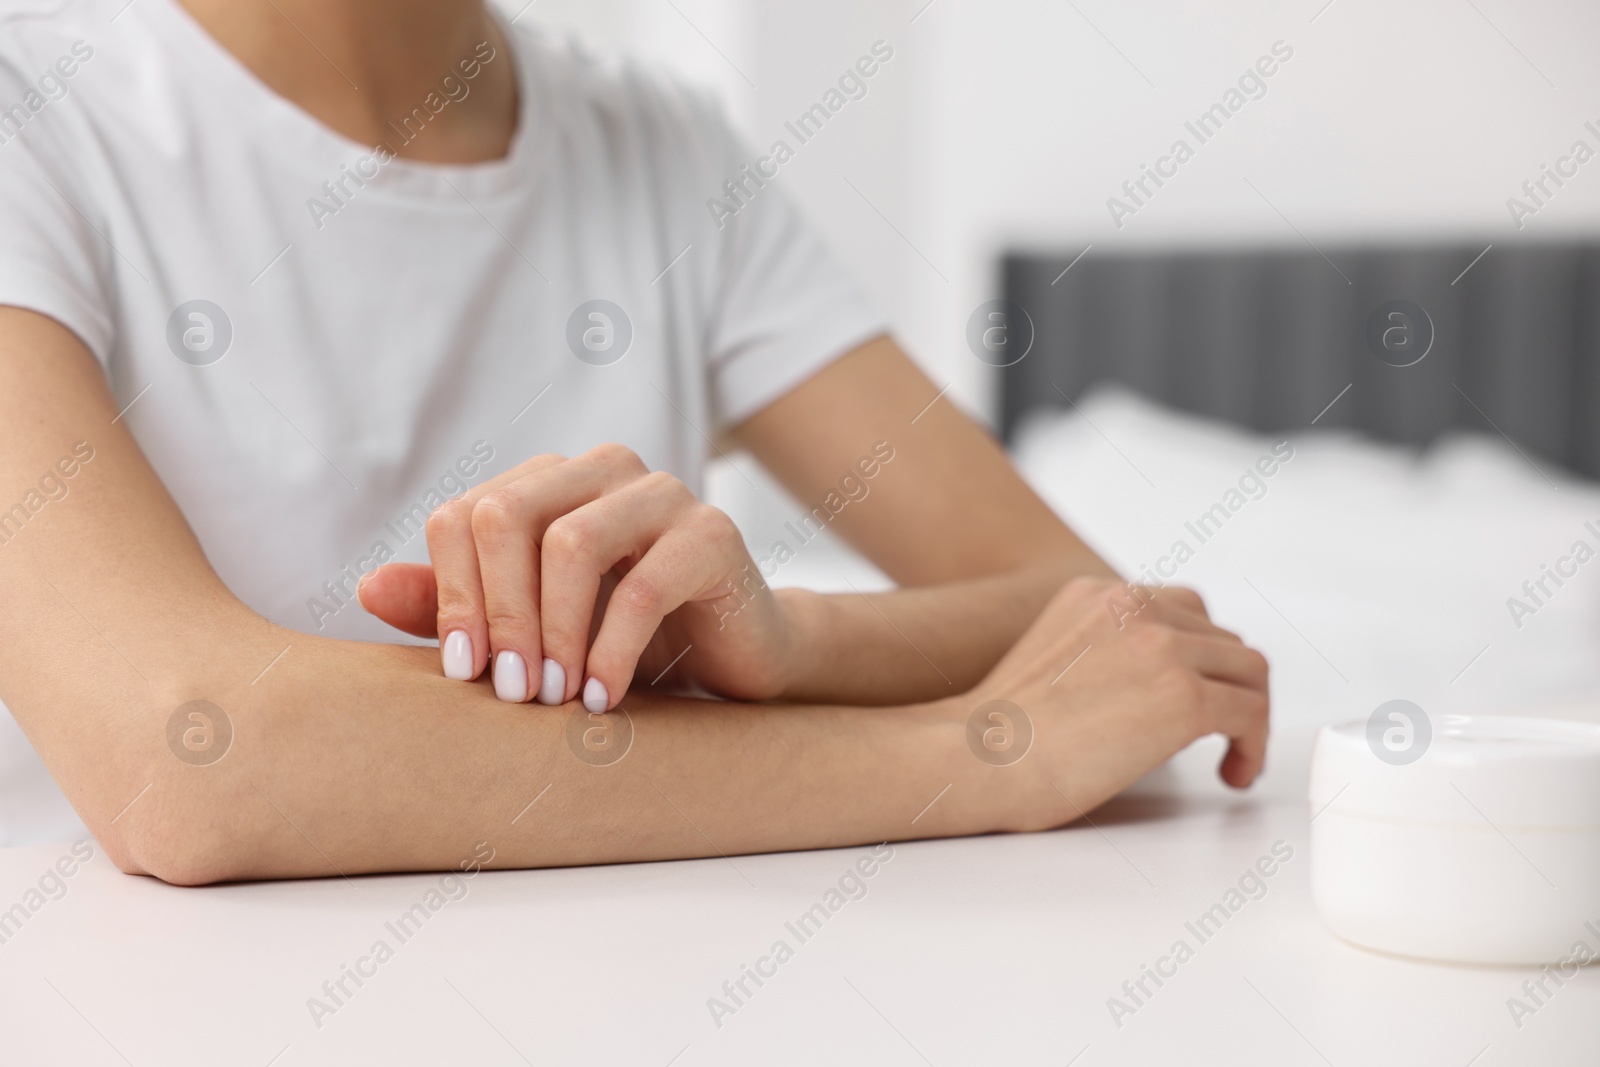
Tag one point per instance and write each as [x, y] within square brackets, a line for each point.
[316, 343]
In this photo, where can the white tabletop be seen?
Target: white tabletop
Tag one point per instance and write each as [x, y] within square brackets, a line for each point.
[996, 950]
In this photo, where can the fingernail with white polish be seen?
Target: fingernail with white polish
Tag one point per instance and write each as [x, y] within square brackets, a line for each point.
[456, 652]
[510, 677]
[554, 684]
[595, 697]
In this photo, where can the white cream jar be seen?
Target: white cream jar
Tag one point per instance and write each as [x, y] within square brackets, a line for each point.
[1467, 838]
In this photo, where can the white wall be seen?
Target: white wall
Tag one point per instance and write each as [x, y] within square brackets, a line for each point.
[1012, 121]
[1391, 118]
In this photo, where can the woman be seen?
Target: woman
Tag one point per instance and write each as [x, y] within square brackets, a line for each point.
[315, 302]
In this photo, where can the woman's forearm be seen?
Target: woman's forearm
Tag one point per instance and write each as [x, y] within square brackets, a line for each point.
[934, 501]
[350, 758]
[199, 742]
[916, 644]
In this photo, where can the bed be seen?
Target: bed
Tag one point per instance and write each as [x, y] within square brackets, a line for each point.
[1502, 338]
[1388, 557]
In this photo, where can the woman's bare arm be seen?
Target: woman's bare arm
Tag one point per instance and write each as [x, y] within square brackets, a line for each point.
[349, 757]
[977, 553]
[352, 757]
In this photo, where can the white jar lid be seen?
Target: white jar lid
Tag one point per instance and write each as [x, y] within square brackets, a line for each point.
[1514, 772]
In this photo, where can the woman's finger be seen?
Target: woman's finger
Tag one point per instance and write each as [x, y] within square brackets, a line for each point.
[461, 624]
[1185, 598]
[508, 567]
[403, 595]
[510, 525]
[580, 547]
[1223, 660]
[1173, 604]
[688, 562]
[1241, 715]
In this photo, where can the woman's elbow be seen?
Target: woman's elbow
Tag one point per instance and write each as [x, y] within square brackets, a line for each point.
[177, 845]
[188, 870]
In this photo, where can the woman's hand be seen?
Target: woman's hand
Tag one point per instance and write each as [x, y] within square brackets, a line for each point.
[1114, 680]
[588, 570]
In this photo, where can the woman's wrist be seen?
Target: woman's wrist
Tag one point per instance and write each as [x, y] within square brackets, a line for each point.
[804, 614]
[983, 795]
[985, 790]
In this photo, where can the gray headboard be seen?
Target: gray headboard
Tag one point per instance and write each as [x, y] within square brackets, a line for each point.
[1269, 338]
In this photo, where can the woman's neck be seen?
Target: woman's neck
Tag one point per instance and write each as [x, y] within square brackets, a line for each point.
[361, 67]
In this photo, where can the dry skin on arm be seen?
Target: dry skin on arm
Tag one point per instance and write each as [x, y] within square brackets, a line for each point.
[355, 757]
[349, 758]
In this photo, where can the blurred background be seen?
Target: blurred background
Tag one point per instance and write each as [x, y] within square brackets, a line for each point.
[1008, 123]
[1384, 560]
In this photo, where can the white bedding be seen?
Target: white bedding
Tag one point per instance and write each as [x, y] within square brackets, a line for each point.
[1391, 571]
[1391, 568]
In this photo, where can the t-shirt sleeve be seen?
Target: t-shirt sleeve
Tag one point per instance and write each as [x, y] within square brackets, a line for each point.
[51, 253]
[785, 307]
